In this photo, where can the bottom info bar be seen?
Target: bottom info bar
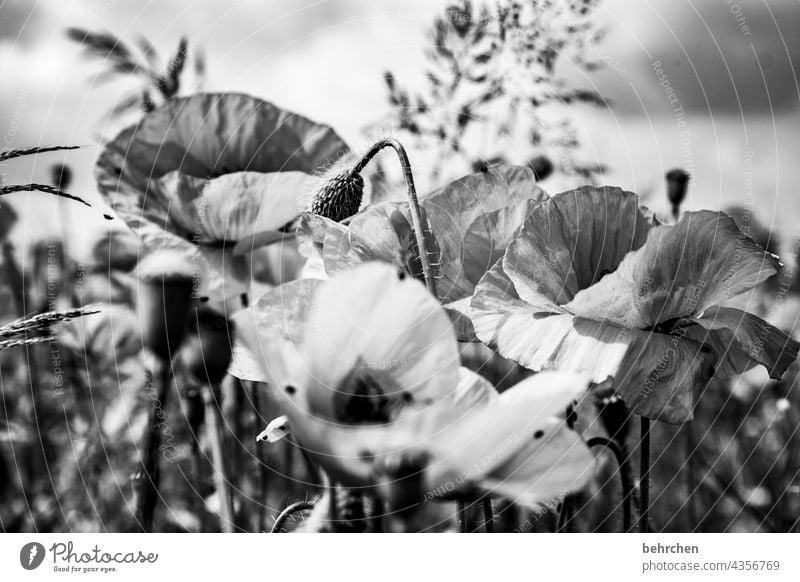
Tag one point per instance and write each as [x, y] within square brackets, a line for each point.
[378, 557]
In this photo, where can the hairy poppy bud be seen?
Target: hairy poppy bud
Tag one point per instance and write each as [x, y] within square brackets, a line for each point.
[338, 196]
[165, 293]
[207, 354]
[677, 182]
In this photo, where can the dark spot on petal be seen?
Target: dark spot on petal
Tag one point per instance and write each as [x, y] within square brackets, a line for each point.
[290, 389]
[204, 300]
[538, 434]
[407, 397]
[401, 274]
[108, 217]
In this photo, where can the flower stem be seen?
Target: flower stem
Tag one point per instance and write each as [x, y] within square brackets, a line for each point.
[564, 515]
[416, 215]
[461, 511]
[691, 478]
[221, 481]
[149, 477]
[644, 474]
[488, 515]
[624, 475]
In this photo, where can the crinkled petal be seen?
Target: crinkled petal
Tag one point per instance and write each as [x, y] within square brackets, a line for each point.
[278, 315]
[743, 341]
[655, 373]
[453, 209]
[681, 271]
[571, 240]
[229, 207]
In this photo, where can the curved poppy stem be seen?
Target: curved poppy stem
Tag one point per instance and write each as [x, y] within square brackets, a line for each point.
[624, 475]
[416, 214]
[644, 474]
[286, 513]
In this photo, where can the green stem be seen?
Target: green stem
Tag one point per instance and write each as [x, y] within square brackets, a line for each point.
[416, 215]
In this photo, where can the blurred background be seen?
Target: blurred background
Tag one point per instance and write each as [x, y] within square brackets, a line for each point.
[635, 90]
[732, 68]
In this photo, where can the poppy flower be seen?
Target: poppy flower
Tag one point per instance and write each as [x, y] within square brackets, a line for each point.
[470, 221]
[366, 367]
[591, 284]
[203, 173]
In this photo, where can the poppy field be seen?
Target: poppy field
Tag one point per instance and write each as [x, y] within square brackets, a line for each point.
[457, 322]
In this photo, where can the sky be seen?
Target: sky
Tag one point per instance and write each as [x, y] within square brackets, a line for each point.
[728, 68]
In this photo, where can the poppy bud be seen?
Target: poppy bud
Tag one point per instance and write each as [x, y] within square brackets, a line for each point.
[542, 167]
[338, 196]
[677, 182]
[207, 354]
[165, 293]
[61, 176]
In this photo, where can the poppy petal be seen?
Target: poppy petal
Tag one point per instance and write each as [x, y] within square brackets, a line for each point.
[375, 325]
[743, 341]
[476, 443]
[452, 210]
[277, 316]
[232, 206]
[655, 373]
[554, 462]
[681, 271]
[571, 240]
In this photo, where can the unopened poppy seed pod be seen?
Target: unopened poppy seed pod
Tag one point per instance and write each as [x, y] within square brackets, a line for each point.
[542, 167]
[677, 182]
[165, 293]
[338, 194]
[207, 353]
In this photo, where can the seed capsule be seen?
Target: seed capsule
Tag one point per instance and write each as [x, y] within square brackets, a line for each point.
[677, 182]
[338, 196]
